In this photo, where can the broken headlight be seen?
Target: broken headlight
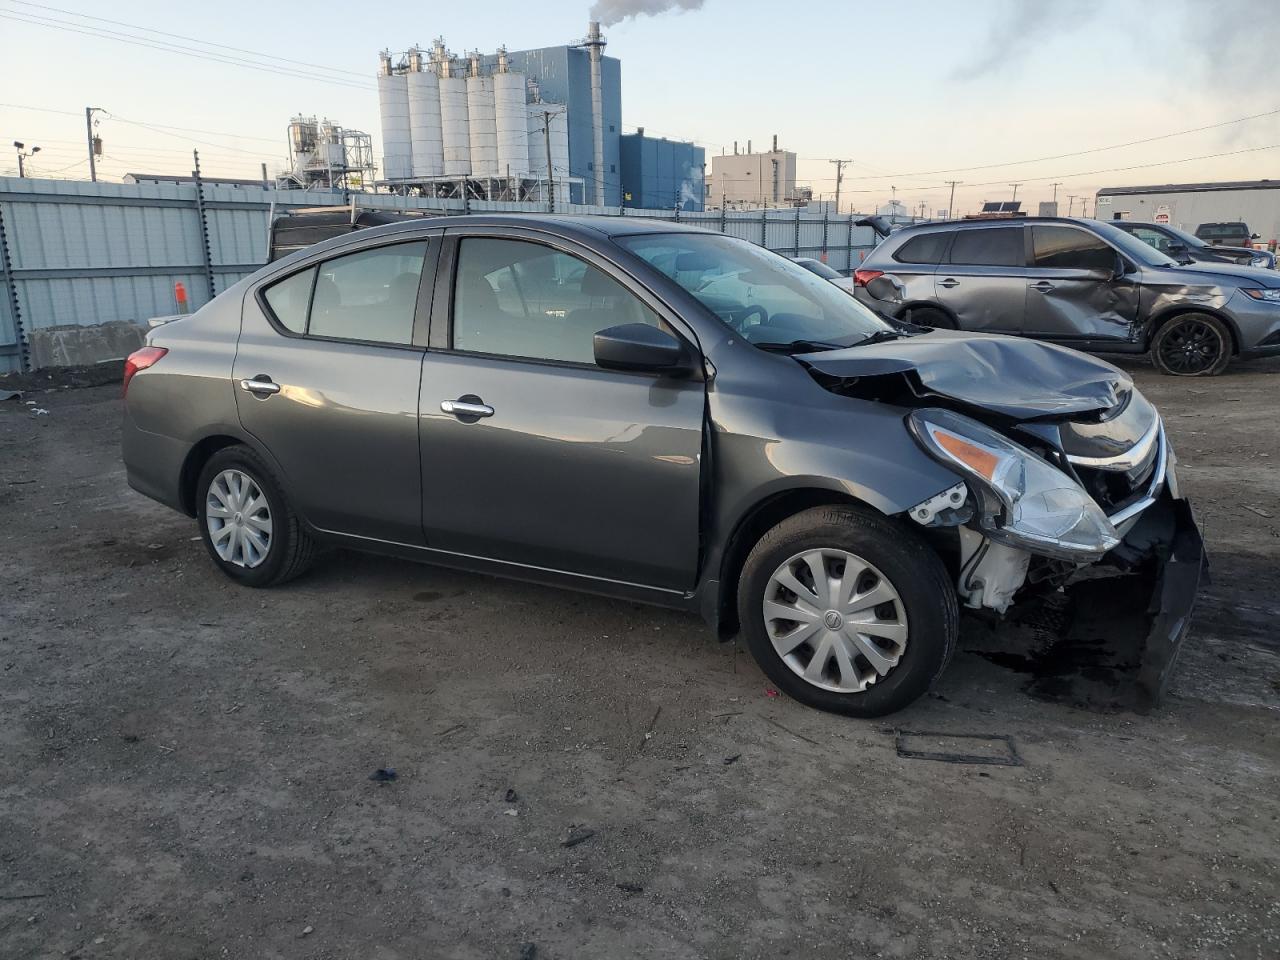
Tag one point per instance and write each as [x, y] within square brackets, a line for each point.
[1024, 501]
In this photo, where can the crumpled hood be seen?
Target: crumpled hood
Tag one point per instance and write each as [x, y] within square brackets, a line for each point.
[1011, 376]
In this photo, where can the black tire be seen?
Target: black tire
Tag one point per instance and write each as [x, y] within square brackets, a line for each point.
[1192, 345]
[290, 549]
[932, 317]
[903, 558]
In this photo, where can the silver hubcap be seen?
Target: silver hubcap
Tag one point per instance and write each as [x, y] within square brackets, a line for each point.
[238, 519]
[835, 620]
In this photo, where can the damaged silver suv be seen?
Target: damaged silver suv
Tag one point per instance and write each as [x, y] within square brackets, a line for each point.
[665, 415]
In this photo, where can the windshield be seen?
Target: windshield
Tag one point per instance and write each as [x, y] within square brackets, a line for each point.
[1190, 239]
[762, 296]
[819, 268]
[1132, 247]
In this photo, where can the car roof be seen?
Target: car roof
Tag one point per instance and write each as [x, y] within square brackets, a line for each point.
[587, 229]
[916, 228]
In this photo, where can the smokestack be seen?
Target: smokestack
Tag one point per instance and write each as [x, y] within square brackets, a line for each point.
[735, 148]
[775, 143]
[748, 146]
[595, 50]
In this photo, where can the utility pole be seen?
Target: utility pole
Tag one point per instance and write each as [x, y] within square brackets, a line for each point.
[951, 205]
[546, 142]
[1071, 205]
[95, 144]
[1055, 195]
[840, 165]
[1015, 190]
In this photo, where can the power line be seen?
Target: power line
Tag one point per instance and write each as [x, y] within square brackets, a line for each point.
[104, 34]
[166, 126]
[1077, 153]
[179, 36]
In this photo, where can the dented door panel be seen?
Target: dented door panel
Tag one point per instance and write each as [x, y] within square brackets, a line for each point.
[1079, 304]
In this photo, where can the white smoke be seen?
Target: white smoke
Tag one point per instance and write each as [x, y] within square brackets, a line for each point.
[609, 12]
[1016, 31]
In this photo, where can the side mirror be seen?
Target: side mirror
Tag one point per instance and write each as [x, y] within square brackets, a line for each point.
[1255, 236]
[1177, 247]
[885, 287]
[639, 346]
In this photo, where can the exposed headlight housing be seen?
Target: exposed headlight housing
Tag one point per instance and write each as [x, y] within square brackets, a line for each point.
[1269, 294]
[1025, 501]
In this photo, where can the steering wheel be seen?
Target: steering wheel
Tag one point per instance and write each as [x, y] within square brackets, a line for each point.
[740, 318]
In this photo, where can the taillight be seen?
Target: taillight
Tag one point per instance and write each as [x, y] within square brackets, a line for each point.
[863, 277]
[140, 360]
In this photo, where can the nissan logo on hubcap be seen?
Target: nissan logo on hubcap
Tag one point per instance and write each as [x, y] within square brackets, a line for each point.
[832, 620]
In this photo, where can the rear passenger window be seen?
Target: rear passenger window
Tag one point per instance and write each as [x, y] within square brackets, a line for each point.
[991, 247]
[289, 298]
[1065, 248]
[519, 299]
[926, 249]
[371, 295]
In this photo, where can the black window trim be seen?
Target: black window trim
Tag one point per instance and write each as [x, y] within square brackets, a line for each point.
[422, 308]
[441, 338]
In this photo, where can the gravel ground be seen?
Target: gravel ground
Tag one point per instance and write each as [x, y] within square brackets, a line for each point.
[186, 763]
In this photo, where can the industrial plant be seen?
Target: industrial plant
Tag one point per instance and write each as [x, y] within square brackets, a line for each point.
[538, 125]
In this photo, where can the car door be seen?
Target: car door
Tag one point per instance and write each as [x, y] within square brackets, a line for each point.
[1078, 288]
[533, 455]
[983, 280]
[326, 378]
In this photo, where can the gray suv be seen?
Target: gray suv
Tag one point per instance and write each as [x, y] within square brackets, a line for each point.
[666, 415]
[1081, 283]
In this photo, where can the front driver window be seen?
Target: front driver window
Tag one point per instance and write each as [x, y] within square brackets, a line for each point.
[519, 299]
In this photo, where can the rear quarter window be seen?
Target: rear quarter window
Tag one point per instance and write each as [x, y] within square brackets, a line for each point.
[928, 248]
[289, 299]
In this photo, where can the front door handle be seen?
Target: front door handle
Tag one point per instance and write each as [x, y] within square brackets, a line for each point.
[1044, 286]
[949, 283]
[262, 387]
[467, 408]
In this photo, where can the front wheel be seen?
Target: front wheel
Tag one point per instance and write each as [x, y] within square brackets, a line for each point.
[247, 524]
[847, 611]
[1192, 345]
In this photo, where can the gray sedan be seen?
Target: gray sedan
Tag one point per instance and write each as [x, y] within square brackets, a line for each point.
[666, 415]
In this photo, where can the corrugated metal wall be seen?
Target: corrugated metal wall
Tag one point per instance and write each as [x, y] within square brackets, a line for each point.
[79, 255]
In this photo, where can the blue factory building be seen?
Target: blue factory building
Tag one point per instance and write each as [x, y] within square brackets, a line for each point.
[661, 174]
[564, 76]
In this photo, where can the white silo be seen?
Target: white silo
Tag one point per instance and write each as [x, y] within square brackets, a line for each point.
[481, 122]
[454, 119]
[393, 104]
[511, 120]
[424, 119]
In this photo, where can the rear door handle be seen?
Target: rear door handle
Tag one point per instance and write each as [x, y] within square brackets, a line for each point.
[262, 387]
[949, 283]
[1044, 286]
[467, 409]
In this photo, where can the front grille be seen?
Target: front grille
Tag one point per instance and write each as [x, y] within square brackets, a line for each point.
[1114, 490]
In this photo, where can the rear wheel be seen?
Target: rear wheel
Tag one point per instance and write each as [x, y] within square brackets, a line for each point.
[250, 530]
[846, 611]
[932, 317]
[1192, 345]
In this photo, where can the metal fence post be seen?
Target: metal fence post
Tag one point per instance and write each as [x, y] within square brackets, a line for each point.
[204, 226]
[852, 265]
[825, 222]
[764, 227]
[11, 289]
[724, 217]
[797, 238]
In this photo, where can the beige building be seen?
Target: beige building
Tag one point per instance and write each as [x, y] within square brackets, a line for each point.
[749, 179]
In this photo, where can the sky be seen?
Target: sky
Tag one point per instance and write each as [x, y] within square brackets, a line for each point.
[915, 93]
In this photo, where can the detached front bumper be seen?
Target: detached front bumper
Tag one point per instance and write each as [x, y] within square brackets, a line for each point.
[1166, 550]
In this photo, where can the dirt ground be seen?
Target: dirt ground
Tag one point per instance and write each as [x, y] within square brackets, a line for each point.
[185, 763]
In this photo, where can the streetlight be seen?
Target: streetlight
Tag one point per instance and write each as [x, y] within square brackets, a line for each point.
[23, 153]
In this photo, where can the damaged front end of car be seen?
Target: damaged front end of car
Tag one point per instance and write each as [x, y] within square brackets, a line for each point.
[1067, 490]
[1109, 532]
